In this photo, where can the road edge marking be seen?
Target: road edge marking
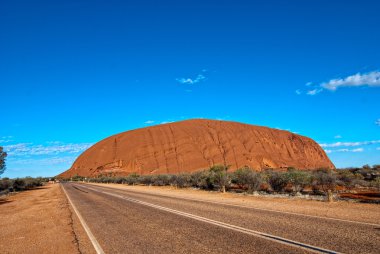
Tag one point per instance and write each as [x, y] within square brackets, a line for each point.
[90, 235]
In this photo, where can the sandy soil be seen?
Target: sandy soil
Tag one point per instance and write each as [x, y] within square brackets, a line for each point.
[342, 210]
[40, 221]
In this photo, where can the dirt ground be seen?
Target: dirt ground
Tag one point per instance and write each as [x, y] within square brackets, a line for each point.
[40, 221]
[369, 213]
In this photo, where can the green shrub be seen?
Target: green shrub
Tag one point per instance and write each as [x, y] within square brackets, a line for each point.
[298, 179]
[5, 184]
[376, 183]
[146, 179]
[201, 180]
[248, 179]
[324, 179]
[220, 177]
[277, 181]
[19, 184]
[161, 180]
[132, 179]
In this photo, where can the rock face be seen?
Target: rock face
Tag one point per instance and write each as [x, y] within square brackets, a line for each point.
[193, 145]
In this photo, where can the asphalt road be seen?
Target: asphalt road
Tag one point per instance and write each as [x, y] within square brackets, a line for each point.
[125, 221]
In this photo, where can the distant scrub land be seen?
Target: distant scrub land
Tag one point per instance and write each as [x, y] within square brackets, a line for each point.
[20, 184]
[352, 181]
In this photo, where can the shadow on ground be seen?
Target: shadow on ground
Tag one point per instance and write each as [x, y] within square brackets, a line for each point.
[4, 201]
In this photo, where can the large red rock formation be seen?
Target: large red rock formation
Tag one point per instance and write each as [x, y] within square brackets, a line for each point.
[193, 145]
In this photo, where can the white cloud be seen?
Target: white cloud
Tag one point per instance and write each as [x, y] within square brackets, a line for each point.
[314, 91]
[366, 79]
[337, 136]
[298, 92]
[165, 122]
[344, 150]
[350, 144]
[377, 122]
[149, 122]
[371, 79]
[378, 148]
[23, 149]
[191, 81]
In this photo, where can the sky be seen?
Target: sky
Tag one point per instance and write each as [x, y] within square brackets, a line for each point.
[75, 72]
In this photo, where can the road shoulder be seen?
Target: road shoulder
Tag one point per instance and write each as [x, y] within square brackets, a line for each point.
[41, 221]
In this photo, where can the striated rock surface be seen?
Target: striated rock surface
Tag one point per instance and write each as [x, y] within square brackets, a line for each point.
[193, 145]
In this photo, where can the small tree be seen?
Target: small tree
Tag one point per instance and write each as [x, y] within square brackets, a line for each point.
[5, 184]
[248, 179]
[346, 177]
[19, 184]
[326, 180]
[376, 183]
[219, 175]
[299, 179]
[3, 155]
[277, 181]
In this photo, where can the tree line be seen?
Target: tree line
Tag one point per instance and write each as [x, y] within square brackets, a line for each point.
[218, 177]
[20, 184]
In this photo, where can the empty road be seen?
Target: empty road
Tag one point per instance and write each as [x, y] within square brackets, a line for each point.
[129, 221]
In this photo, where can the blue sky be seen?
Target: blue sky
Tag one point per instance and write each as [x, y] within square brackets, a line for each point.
[75, 72]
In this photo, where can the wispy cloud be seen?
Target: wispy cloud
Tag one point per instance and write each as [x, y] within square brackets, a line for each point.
[314, 91]
[337, 136]
[345, 150]
[378, 148]
[149, 122]
[45, 161]
[350, 144]
[6, 139]
[298, 92]
[371, 79]
[191, 81]
[377, 122]
[30, 149]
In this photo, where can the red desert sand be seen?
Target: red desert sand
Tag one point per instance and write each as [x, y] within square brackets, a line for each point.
[41, 221]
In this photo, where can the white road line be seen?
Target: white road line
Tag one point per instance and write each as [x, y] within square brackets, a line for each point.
[92, 238]
[250, 207]
[223, 225]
